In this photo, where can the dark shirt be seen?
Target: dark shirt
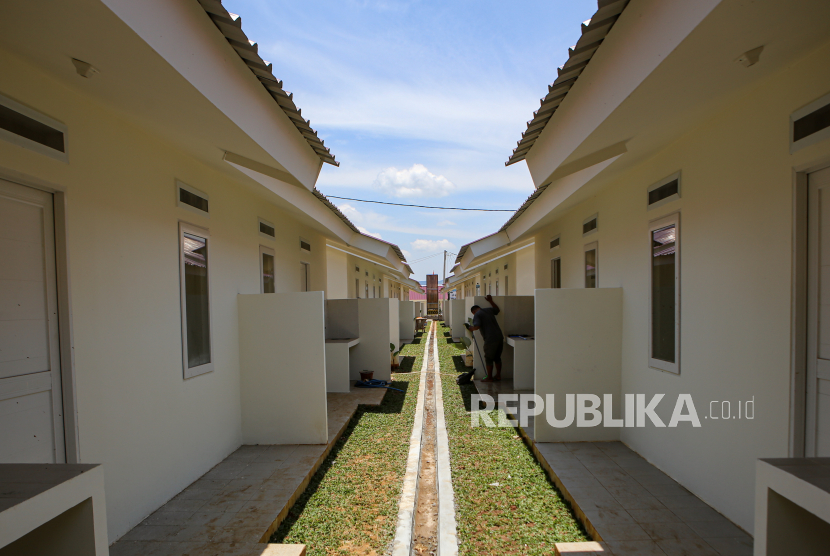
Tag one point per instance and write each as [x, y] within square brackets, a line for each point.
[485, 319]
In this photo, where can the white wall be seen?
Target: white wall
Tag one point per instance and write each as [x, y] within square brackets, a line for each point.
[283, 368]
[736, 258]
[337, 273]
[379, 327]
[578, 350]
[406, 317]
[154, 432]
[342, 320]
[458, 316]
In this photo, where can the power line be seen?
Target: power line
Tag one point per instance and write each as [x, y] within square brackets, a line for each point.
[418, 206]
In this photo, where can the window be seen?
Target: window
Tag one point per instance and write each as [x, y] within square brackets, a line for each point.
[192, 199]
[506, 289]
[497, 287]
[373, 292]
[32, 130]
[664, 191]
[266, 229]
[197, 355]
[810, 124]
[664, 338]
[591, 265]
[305, 245]
[589, 225]
[554, 243]
[556, 272]
[367, 288]
[357, 288]
[478, 289]
[357, 269]
[266, 267]
[505, 267]
[304, 277]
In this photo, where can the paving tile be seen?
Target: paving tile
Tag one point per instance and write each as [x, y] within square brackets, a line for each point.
[552, 447]
[572, 473]
[732, 547]
[666, 489]
[698, 514]
[622, 532]
[653, 516]
[269, 507]
[223, 505]
[686, 547]
[259, 470]
[213, 519]
[681, 501]
[583, 549]
[166, 517]
[152, 533]
[674, 530]
[260, 522]
[273, 495]
[208, 484]
[195, 494]
[635, 548]
[176, 505]
[640, 502]
[226, 470]
[132, 548]
[600, 517]
[716, 529]
[627, 491]
[599, 503]
[236, 534]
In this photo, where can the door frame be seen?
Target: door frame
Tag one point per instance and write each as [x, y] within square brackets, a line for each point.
[64, 303]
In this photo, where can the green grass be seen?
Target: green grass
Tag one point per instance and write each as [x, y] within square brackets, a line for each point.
[525, 514]
[351, 503]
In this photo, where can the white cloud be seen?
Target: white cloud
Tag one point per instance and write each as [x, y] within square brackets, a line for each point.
[413, 182]
[446, 223]
[368, 233]
[407, 255]
[432, 245]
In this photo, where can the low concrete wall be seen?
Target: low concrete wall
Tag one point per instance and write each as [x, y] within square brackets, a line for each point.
[379, 326]
[458, 316]
[283, 368]
[406, 320]
[578, 351]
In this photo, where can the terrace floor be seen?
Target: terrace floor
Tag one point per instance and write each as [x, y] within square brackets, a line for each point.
[236, 505]
[627, 502]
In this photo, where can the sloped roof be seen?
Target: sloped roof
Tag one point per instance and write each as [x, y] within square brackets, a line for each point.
[230, 25]
[594, 32]
[323, 199]
[529, 201]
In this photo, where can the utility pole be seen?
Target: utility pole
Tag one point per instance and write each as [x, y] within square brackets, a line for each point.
[444, 283]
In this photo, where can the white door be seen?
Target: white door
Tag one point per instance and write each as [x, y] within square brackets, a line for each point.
[31, 416]
[818, 313]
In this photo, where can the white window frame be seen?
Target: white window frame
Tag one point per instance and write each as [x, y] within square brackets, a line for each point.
[181, 185]
[594, 245]
[34, 145]
[594, 216]
[659, 364]
[815, 137]
[266, 236]
[559, 237]
[184, 228]
[661, 183]
[263, 250]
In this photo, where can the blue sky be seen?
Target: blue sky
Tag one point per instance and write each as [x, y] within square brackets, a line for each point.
[421, 102]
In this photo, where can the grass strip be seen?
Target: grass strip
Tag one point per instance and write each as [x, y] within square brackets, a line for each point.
[351, 504]
[505, 503]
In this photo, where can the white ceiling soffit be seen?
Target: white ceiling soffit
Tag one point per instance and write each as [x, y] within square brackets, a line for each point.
[644, 35]
[230, 25]
[600, 159]
[301, 198]
[594, 32]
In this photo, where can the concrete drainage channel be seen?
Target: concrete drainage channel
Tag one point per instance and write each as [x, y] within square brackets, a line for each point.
[426, 517]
